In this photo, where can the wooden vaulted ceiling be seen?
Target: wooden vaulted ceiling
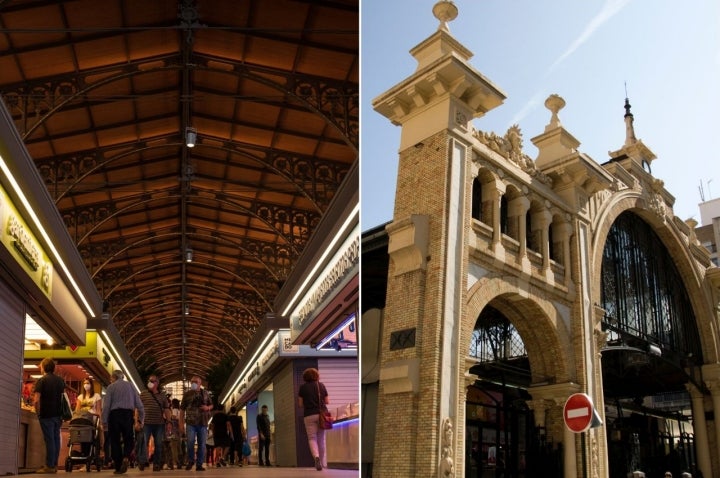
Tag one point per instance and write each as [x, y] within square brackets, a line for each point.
[103, 93]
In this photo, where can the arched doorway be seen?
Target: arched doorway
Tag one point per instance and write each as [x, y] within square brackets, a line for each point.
[652, 355]
[501, 439]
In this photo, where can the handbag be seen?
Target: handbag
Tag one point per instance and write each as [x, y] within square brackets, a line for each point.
[325, 420]
[66, 410]
[246, 449]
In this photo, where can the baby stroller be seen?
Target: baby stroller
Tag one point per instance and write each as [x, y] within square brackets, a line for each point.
[84, 442]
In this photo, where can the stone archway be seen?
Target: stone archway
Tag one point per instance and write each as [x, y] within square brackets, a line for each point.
[543, 328]
[542, 325]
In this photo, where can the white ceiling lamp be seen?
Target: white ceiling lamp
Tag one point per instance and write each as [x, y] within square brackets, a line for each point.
[190, 137]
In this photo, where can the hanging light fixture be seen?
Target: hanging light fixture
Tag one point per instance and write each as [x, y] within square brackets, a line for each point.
[187, 309]
[190, 136]
[188, 255]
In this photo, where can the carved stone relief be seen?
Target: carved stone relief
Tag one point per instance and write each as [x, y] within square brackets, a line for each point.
[509, 146]
[447, 465]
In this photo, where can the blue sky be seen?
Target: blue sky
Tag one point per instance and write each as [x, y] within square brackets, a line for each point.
[667, 52]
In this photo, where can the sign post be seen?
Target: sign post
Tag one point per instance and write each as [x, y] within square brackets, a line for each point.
[578, 412]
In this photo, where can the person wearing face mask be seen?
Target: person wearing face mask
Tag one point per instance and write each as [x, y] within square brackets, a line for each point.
[157, 413]
[88, 400]
[88, 405]
[195, 409]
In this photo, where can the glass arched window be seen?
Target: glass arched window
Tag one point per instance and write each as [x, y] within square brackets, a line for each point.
[495, 338]
[643, 293]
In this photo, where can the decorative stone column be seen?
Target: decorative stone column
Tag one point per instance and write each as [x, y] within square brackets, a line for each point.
[702, 448]
[543, 220]
[570, 467]
[711, 373]
[557, 394]
[714, 386]
[539, 407]
[518, 209]
[497, 233]
[460, 430]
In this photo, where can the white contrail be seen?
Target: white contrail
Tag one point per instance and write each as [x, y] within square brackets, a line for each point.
[609, 9]
[527, 108]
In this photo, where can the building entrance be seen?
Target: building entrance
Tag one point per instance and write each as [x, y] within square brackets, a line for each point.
[501, 438]
[651, 357]
[642, 438]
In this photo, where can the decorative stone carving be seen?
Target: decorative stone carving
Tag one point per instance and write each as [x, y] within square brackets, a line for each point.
[600, 339]
[447, 466]
[461, 119]
[470, 378]
[510, 147]
[657, 205]
[594, 456]
[692, 224]
[713, 386]
[656, 202]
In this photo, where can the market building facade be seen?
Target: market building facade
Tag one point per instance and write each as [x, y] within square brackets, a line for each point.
[515, 282]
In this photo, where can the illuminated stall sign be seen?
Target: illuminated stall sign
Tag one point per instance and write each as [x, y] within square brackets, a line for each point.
[290, 351]
[17, 238]
[88, 351]
[280, 346]
[331, 277]
[265, 359]
[287, 343]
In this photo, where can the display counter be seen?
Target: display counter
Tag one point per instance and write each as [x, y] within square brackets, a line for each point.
[31, 445]
[342, 444]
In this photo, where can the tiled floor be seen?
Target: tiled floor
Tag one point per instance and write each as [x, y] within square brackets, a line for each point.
[227, 472]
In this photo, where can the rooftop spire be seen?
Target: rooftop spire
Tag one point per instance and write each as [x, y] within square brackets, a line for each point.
[445, 11]
[633, 149]
[629, 129]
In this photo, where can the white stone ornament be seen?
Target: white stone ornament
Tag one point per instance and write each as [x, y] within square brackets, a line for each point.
[445, 11]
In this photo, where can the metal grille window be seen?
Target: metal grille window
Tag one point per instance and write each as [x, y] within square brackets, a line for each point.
[642, 291]
[495, 338]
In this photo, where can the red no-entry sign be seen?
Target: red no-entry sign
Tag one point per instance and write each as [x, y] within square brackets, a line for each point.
[578, 412]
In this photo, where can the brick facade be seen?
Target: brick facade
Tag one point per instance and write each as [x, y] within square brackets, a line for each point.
[446, 267]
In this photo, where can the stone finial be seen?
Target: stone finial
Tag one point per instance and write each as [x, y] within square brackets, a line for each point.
[554, 103]
[692, 224]
[445, 11]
